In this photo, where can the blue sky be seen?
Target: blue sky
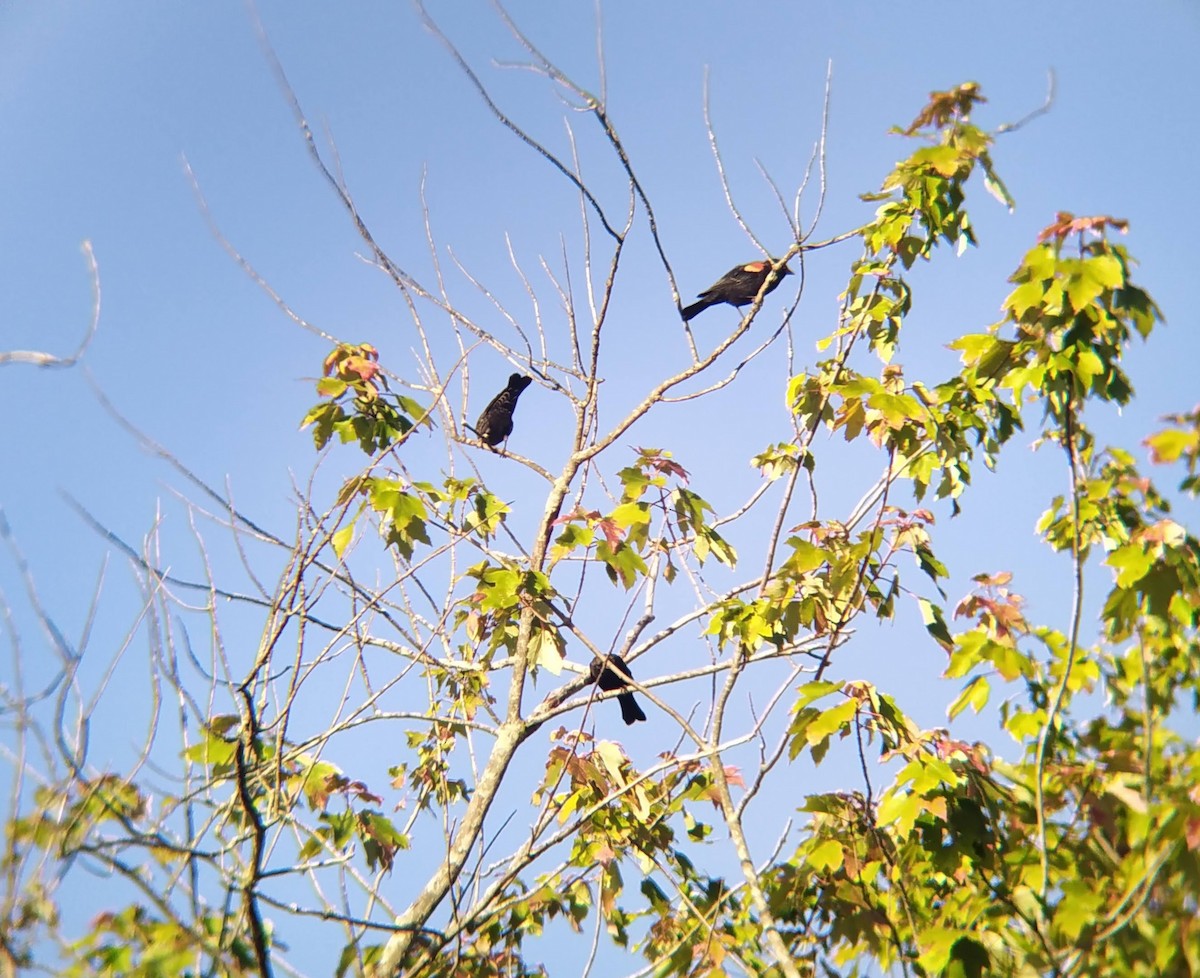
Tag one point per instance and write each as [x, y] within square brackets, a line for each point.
[101, 103]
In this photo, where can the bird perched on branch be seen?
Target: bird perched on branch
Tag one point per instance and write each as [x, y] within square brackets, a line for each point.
[611, 673]
[739, 286]
[496, 422]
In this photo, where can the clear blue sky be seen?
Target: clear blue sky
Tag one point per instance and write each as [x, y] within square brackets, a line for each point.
[100, 103]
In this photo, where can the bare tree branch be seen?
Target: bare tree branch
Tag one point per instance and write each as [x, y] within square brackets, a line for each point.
[38, 358]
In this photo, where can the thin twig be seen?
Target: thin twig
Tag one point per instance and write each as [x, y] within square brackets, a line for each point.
[38, 358]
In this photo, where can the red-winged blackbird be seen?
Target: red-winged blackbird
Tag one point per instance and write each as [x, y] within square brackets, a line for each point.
[615, 675]
[738, 287]
[496, 422]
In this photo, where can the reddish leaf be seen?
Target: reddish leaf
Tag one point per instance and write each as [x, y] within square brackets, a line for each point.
[994, 580]
[365, 370]
[944, 106]
[1066, 223]
[612, 532]
[1192, 833]
[654, 458]
[578, 513]
[360, 791]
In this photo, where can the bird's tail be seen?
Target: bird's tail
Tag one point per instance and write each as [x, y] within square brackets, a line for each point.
[689, 312]
[631, 712]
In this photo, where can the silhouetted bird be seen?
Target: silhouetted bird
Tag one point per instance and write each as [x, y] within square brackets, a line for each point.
[496, 422]
[615, 675]
[738, 287]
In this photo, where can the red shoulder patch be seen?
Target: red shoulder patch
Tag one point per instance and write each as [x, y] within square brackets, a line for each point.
[754, 266]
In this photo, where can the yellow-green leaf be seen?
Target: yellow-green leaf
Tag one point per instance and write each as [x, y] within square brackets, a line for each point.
[831, 720]
[341, 539]
[545, 649]
[901, 808]
[935, 623]
[1168, 445]
[628, 514]
[974, 695]
[827, 855]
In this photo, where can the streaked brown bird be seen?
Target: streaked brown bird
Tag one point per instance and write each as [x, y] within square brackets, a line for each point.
[738, 287]
[496, 422]
[616, 675]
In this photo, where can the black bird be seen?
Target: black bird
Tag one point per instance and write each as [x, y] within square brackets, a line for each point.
[738, 287]
[616, 675]
[496, 422]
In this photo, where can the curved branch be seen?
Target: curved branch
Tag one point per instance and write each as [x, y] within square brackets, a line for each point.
[38, 358]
